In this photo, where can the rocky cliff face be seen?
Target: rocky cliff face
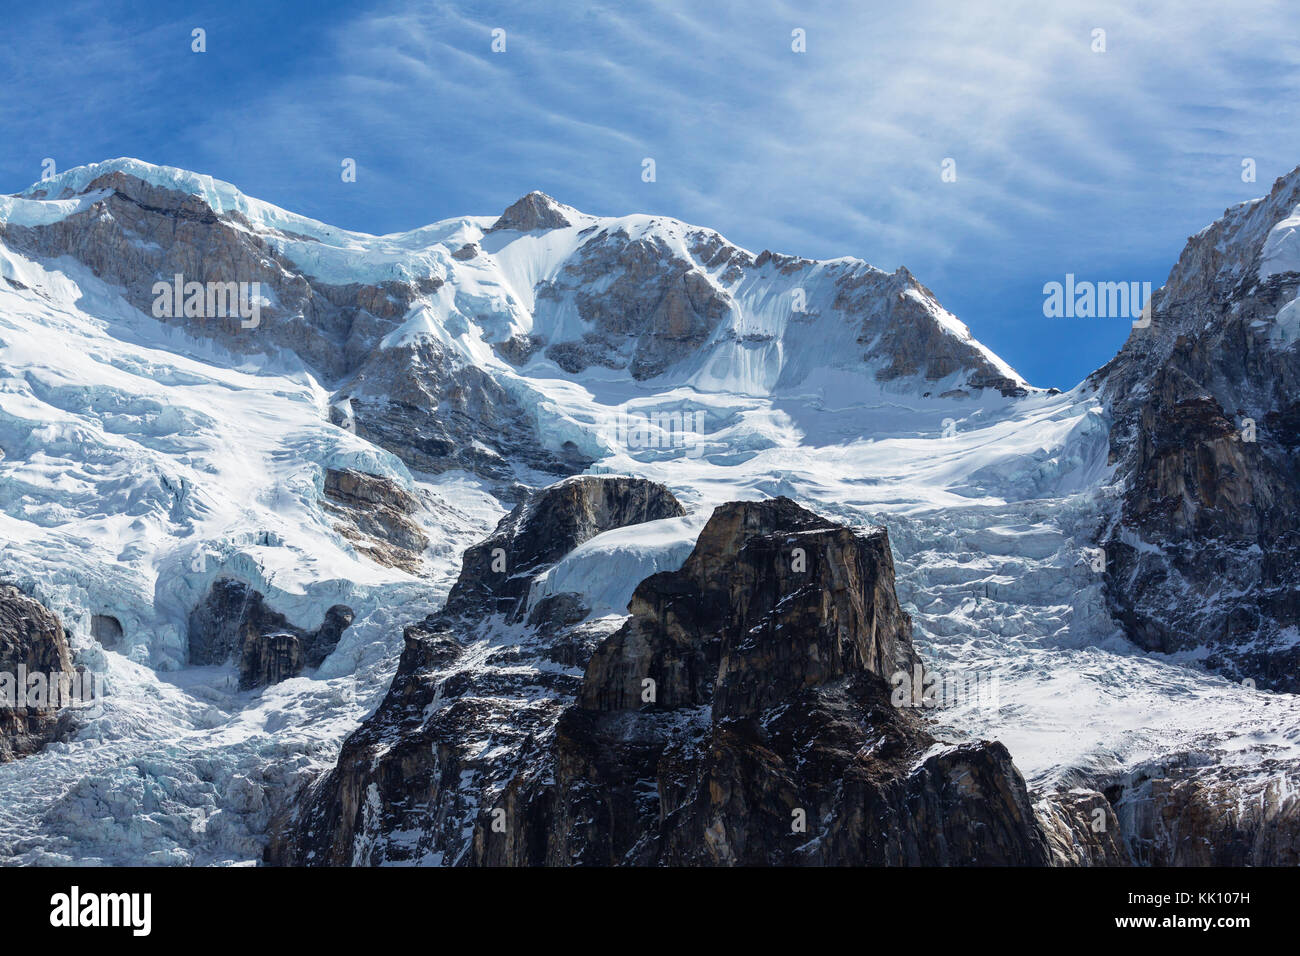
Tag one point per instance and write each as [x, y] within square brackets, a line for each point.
[741, 715]
[1186, 810]
[235, 621]
[1182, 813]
[1206, 424]
[1082, 829]
[418, 401]
[32, 645]
[772, 600]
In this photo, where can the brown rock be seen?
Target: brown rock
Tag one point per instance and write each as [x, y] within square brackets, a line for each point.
[769, 737]
[376, 515]
[31, 642]
[1082, 830]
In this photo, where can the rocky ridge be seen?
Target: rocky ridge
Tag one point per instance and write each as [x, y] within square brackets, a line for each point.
[477, 691]
[648, 295]
[741, 715]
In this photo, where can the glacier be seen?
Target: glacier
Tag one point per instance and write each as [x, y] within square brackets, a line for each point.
[140, 463]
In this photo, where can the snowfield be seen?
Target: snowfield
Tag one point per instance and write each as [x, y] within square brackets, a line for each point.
[139, 464]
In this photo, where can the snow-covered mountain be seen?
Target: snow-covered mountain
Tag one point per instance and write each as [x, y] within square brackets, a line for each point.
[397, 395]
[433, 341]
[1203, 556]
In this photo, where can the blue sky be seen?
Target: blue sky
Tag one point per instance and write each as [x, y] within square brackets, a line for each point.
[1068, 160]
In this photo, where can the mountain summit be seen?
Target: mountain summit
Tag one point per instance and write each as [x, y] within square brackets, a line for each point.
[427, 333]
[534, 211]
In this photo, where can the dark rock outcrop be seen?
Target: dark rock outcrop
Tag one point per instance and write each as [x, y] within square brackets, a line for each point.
[1186, 810]
[234, 619]
[427, 744]
[772, 600]
[742, 715]
[32, 645]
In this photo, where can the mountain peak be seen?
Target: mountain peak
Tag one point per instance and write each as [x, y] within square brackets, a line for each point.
[535, 211]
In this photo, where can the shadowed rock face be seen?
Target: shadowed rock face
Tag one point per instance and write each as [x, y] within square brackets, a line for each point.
[1183, 811]
[425, 746]
[767, 735]
[1082, 829]
[1185, 816]
[234, 620]
[414, 401]
[835, 776]
[1206, 552]
[31, 642]
[773, 599]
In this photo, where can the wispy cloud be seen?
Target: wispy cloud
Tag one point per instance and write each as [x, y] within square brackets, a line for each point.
[1067, 159]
